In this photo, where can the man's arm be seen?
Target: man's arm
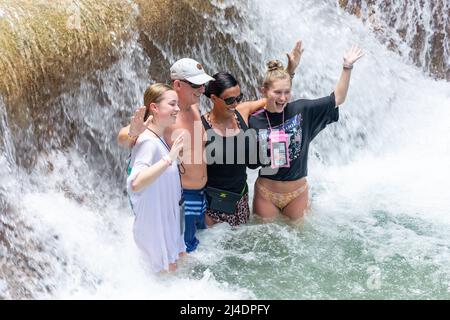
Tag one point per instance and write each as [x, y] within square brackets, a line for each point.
[249, 107]
[124, 140]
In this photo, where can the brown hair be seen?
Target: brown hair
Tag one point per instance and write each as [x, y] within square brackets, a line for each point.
[153, 94]
[275, 71]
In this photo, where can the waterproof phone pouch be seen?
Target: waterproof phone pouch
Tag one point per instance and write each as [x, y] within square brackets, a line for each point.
[279, 149]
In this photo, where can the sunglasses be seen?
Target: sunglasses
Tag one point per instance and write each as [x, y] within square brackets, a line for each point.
[230, 100]
[193, 85]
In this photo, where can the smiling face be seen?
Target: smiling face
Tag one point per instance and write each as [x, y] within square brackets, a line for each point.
[278, 94]
[188, 95]
[231, 94]
[165, 111]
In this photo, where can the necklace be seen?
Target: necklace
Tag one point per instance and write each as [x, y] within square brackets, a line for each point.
[208, 119]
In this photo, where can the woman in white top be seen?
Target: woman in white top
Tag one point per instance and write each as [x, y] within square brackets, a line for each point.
[154, 184]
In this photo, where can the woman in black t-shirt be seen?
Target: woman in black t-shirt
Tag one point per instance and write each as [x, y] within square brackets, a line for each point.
[284, 131]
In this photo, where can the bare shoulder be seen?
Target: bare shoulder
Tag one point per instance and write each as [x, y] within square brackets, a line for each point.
[195, 109]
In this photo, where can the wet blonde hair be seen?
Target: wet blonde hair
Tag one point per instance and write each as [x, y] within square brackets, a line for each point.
[153, 94]
[275, 71]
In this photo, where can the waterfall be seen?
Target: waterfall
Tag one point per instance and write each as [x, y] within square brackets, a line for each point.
[417, 30]
[378, 177]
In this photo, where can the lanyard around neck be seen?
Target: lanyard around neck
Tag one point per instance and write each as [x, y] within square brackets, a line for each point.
[163, 142]
[268, 121]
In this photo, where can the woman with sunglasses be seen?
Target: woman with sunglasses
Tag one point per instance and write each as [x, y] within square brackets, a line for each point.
[228, 147]
[225, 126]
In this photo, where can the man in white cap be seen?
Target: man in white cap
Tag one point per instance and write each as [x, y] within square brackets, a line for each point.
[189, 79]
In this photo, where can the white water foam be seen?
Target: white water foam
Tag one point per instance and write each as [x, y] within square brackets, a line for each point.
[378, 179]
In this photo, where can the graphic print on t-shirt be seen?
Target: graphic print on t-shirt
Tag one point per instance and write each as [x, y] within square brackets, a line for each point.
[293, 128]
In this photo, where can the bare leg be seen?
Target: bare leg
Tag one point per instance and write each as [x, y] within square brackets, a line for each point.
[264, 208]
[295, 210]
[209, 222]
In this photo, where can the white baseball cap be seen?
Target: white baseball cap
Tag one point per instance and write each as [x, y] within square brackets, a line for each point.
[190, 70]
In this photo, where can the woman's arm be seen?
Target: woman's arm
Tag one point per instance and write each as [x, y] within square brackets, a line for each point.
[249, 107]
[350, 57]
[124, 140]
[294, 58]
[128, 135]
[148, 175]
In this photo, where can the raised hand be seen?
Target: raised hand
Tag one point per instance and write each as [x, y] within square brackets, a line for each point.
[138, 125]
[294, 57]
[177, 146]
[352, 55]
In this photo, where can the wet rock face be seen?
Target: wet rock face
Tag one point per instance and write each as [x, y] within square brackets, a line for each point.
[45, 47]
[199, 29]
[416, 29]
[20, 268]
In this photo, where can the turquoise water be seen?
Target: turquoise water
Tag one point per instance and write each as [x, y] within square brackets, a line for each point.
[323, 259]
[379, 227]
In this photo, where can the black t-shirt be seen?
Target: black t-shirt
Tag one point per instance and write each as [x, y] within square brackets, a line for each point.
[303, 120]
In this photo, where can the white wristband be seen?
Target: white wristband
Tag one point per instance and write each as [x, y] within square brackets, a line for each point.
[167, 160]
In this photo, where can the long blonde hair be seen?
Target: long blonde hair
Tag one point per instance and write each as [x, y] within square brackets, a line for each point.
[275, 71]
[153, 94]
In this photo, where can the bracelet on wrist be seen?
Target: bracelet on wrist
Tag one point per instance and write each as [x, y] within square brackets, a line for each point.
[348, 66]
[292, 75]
[131, 136]
[167, 160]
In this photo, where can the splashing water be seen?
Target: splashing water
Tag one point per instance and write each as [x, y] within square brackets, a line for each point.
[417, 30]
[379, 224]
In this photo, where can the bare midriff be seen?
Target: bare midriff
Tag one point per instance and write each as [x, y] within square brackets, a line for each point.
[194, 177]
[282, 186]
